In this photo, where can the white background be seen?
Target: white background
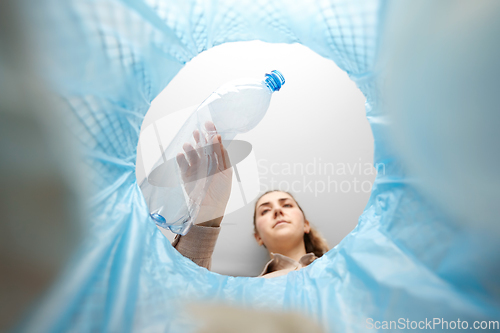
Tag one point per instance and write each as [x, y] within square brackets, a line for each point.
[316, 118]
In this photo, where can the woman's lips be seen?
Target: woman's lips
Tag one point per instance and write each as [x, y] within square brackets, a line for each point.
[280, 222]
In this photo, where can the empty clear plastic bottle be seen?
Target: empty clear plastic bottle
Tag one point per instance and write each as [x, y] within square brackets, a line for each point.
[235, 107]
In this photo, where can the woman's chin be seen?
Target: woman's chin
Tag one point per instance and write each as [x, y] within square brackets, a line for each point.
[284, 231]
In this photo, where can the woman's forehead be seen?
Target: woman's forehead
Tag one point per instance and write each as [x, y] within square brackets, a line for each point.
[273, 197]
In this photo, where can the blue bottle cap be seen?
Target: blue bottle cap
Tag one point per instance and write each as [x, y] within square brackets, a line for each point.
[274, 80]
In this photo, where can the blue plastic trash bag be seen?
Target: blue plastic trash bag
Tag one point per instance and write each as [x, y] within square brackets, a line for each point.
[408, 261]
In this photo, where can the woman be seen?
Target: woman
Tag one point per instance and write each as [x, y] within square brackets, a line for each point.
[280, 224]
[281, 227]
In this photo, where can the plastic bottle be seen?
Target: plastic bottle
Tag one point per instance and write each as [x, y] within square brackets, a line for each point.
[235, 107]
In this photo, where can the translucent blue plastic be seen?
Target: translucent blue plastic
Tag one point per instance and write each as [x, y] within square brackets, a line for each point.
[110, 59]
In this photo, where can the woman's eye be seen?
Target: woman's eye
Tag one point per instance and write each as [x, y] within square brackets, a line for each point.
[288, 205]
[264, 211]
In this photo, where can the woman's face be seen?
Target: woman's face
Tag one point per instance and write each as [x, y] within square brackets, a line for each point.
[279, 221]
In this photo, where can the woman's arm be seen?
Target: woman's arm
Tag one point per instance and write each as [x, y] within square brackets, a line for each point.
[199, 243]
[212, 223]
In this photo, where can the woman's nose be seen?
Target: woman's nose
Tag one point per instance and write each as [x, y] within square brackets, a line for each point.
[277, 212]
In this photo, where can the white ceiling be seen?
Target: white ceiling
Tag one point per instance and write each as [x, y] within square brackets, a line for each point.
[315, 121]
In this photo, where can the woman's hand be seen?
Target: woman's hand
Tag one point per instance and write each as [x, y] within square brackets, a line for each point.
[194, 171]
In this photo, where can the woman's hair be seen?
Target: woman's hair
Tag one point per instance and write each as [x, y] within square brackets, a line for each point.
[313, 241]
